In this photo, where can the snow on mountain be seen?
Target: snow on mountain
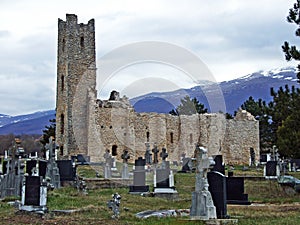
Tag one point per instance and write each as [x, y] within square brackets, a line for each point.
[235, 93]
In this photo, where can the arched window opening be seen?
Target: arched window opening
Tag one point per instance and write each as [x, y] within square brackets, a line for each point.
[61, 148]
[62, 83]
[191, 138]
[171, 137]
[82, 42]
[63, 45]
[62, 123]
[148, 136]
[114, 150]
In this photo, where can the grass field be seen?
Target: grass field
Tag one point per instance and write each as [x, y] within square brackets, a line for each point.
[272, 204]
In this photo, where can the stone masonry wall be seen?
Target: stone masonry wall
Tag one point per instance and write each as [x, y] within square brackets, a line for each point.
[75, 76]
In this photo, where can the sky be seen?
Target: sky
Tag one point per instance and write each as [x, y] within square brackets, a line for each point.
[231, 37]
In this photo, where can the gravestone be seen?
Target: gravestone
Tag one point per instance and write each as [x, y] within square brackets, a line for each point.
[186, 165]
[108, 164]
[202, 203]
[34, 194]
[217, 188]
[219, 166]
[37, 167]
[164, 178]
[52, 171]
[235, 191]
[252, 157]
[148, 154]
[139, 177]
[125, 156]
[155, 152]
[271, 170]
[11, 180]
[295, 164]
[114, 205]
[67, 170]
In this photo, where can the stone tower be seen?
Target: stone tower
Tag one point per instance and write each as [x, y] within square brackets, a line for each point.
[76, 78]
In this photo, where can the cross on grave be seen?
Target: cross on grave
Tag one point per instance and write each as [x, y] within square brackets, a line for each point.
[164, 154]
[202, 204]
[148, 154]
[108, 164]
[52, 170]
[155, 151]
[125, 156]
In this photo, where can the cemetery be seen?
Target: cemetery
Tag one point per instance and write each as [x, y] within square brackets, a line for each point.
[152, 190]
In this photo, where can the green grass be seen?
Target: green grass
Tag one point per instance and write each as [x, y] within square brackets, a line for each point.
[273, 204]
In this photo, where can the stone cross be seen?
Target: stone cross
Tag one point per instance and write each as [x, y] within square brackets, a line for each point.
[204, 163]
[155, 151]
[125, 156]
[108, 164]
[164, 154]
[114, 205]
[202, 204]
[148, 154]
[108, 158]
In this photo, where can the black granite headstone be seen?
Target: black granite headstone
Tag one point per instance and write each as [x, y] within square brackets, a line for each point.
[66, 170]
[219, 166]
[162, 178]
[217, 188]
[4, 167]
[83, 159]
[271, 168]
[235, 191]
[139, 177]
[32, 190]
[263, 158]
[30, 164]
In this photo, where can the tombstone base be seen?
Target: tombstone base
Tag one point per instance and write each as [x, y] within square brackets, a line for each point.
[202, 206]
[138, 189]
[167, 195]
[165, 191]
[31, 208]
[218, 221]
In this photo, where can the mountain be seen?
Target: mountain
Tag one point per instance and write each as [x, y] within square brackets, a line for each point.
[235, 92]
[33, 123]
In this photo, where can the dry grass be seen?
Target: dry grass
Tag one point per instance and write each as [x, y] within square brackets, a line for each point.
[272, 205]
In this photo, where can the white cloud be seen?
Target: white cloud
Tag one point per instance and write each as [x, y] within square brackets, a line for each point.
[232, 38]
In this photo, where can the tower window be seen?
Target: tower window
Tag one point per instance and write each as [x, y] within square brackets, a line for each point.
[62, 123]
[148, 136]
[61, 150]
[171, 137]
[82, 42]
[62, 83]
[63, 45]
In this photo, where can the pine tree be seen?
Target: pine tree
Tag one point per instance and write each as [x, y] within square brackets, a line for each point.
[49, 132]
[189, 106]
[291, 52]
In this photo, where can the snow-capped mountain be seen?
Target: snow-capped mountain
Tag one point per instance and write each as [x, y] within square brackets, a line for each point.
[235, 93]
[33, 123]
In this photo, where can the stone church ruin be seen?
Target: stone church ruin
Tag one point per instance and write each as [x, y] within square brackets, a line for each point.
[90, 126]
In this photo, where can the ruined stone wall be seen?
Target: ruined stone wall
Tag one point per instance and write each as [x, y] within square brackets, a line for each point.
[75, 76]
[240, 137]
[89, 126]
[126, 129]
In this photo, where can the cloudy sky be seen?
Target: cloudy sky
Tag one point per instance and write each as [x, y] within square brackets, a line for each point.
[231, 37]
